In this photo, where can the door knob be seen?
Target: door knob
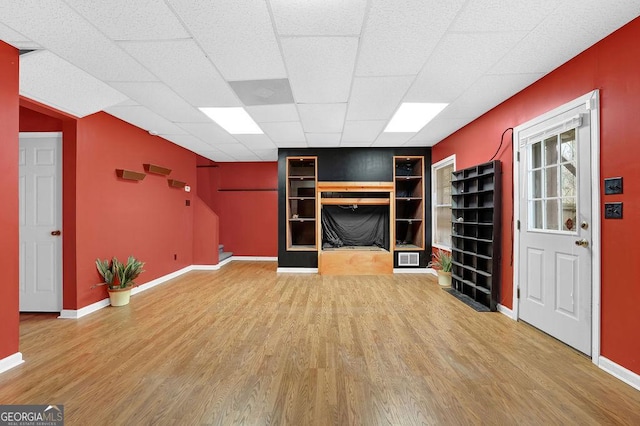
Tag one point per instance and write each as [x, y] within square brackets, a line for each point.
[56, 233]
[583, 243]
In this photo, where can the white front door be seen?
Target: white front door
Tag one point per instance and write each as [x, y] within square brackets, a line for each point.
[555, 216]
[40, 168]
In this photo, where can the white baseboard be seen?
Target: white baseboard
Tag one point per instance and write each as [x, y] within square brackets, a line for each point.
[161, 280]
[206, 267]
[11, 361]
[255, 258]
[79, 313]
[619, 372]
[297, 270]
[411, 271]
[506, 311]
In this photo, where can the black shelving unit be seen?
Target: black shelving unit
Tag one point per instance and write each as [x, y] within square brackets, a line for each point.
[476, 249]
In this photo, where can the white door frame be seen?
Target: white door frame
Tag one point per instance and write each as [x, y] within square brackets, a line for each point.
[59, 166]
[592, 101]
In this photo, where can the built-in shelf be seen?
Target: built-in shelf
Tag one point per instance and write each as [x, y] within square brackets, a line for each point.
[176, 183]
[155, 169]
[408, 176]
[301, 203]
[129, 174]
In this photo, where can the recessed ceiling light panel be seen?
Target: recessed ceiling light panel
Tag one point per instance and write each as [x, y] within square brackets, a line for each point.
[236, 120]
[411, 117]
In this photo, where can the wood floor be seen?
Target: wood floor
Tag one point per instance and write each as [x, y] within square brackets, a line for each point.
[245, 345]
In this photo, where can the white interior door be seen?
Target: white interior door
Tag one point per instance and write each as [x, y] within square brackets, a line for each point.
[40, 222]
[555, 269]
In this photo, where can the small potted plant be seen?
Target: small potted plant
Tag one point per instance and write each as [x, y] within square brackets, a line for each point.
[442, 264]
[118, 277]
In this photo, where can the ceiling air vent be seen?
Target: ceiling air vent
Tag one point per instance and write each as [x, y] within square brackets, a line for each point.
[408, 259]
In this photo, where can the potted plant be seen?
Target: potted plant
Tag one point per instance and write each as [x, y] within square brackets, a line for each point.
[442, 263]
[118, 277]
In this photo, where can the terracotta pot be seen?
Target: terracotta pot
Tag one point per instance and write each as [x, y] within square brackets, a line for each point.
[444, 279]
[120, 297]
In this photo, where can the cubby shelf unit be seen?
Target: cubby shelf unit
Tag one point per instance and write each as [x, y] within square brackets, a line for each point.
[476, 248]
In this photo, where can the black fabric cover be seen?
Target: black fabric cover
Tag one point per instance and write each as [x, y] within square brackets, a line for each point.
[361, 226]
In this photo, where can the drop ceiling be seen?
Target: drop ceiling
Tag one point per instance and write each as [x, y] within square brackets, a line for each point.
[349, 64]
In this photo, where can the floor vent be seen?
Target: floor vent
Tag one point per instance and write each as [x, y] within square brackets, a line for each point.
[408, 259]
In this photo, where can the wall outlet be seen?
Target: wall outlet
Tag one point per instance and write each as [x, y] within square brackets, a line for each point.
[175, 257]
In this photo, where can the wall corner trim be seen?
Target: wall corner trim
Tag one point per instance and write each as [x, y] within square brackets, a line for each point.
[11, 361]
[505, 311]
[619, 372]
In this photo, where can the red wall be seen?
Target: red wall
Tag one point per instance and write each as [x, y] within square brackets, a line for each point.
[612, 66]
[116, 217]
[9, 261]
[245, 197]
[33, 121]
[205, 225]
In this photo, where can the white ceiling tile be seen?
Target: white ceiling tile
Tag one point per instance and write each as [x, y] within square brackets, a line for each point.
[273, 113]
[238, 36]
[160, 98]
[267, 154]
[249, 156]
[399, 35]
[320, 68]
[216, 156]
[555, 40]
[303, 17]
[392, 139]
[144, 118]
[210, 133]
[234, 150]
[189, 142]
[322, 118]
[293, 144]
[436, 130]
[486, 93]
[254, 142]
[10, 36]
[184, 67]
[285, 132]
[131, 20]
[362, 131]
[502, 15]
[48, 79]
[376, 98]
[321, 140]
[355, 144]
[48, 24]
[447, 72]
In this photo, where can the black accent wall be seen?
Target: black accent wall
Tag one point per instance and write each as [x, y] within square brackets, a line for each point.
[347, 165]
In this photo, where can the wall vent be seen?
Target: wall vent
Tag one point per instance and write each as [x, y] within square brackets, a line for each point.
[408, 259]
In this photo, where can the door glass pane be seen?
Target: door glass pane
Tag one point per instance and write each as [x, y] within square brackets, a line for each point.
[569, 214]
[568, 145]
[551, 180]
[536, 184]
[536, 155]
[568, 180]
[553, 183]
[551, 151]
[553, 222]
[535, 214]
